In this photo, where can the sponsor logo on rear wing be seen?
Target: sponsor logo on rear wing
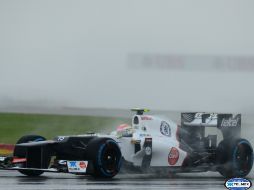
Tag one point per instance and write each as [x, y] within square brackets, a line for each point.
[229, 121]
[211, 120]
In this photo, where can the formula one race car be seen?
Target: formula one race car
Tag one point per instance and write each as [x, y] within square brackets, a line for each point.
[151, 144]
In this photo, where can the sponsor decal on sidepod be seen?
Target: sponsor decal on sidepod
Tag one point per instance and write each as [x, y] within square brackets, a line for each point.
[173, 156]
[165, 129]
[238, 184]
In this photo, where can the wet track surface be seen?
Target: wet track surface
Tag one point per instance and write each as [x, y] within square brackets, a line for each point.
[10, 180]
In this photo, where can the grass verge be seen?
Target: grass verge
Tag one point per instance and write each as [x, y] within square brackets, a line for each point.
[13, 126]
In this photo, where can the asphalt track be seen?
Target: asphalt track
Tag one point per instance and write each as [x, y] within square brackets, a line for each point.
[12, 180]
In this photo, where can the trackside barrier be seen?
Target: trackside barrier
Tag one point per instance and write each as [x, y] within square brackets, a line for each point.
[6, 149]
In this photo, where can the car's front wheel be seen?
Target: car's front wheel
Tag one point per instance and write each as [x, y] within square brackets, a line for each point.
[106, 156]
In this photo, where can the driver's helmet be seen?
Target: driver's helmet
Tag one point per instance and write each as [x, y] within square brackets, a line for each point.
[124, 130]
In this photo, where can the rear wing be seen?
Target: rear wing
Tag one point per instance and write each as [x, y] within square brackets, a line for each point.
[229, 124]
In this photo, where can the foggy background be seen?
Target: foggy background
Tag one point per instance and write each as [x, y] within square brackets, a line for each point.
[74, 56]
[79, 54]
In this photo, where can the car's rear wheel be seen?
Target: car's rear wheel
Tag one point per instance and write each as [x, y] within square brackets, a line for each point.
[21, 153]
[106, 157]
[234, 158]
